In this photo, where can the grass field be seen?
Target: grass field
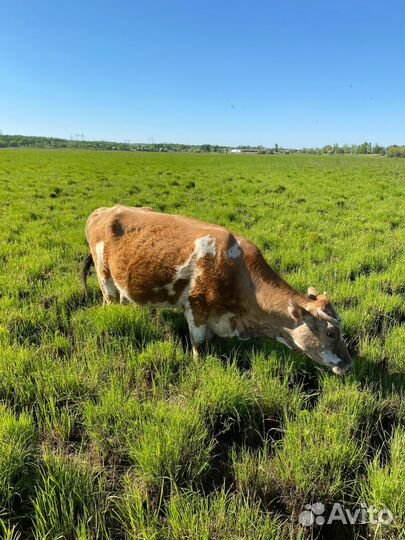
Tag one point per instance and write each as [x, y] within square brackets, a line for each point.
[110, 429]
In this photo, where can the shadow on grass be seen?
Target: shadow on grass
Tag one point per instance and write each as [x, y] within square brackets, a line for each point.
[241, 352]
[334, 531]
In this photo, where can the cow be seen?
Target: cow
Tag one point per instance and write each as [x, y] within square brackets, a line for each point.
[219, 279]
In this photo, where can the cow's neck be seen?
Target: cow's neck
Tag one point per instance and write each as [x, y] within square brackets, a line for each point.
[269, 314]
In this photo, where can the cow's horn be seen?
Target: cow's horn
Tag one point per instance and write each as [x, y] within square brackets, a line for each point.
[327, 317]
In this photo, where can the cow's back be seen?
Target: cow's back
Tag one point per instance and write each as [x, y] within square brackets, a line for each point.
[163, 259]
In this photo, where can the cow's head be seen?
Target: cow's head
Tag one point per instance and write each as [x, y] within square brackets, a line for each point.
[318, 332]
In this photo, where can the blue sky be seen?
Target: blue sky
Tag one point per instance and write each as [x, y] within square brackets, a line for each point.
[290, 72]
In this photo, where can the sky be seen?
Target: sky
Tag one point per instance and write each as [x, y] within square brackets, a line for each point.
[294, 73]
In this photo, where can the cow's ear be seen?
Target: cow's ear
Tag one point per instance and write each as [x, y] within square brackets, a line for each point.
[297, 312]
[312, 293]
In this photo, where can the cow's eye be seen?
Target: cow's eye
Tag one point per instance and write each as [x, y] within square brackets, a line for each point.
[331, 334]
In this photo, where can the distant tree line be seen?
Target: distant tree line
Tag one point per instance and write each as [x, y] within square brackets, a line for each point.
[23, 141]
[364, 148]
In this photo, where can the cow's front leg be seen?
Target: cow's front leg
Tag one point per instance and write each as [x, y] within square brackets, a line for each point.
[199, 333]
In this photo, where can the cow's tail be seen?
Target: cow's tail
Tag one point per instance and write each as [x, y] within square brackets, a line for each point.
[88, 263]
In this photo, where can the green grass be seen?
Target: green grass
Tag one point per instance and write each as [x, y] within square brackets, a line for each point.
[109, 428]
[385, 488]
[69, 499]
[323, 450]
[17, 460]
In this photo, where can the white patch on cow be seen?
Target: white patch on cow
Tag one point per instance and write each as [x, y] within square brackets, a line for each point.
[234, 251]
[222, 327]
[338, 371]
[184, 271]
[100, 252]
[187, 271]
[124, 295]
[205, 246]
[283, 341]
[198, 332]
[110, 288]
[330, 358]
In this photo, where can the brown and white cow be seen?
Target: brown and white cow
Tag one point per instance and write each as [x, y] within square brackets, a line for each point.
[219, 279]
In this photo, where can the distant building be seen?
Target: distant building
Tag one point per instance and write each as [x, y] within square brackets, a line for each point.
[244, 151]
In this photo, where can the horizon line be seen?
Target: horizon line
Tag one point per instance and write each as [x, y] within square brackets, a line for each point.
[75, 138]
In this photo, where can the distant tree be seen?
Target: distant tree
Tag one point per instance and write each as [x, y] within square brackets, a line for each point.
[396, 151]
[337, 149]
[364, 148]
[377, 149]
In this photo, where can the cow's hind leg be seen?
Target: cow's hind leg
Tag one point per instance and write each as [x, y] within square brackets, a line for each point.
[106, 282]
[109, 290]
